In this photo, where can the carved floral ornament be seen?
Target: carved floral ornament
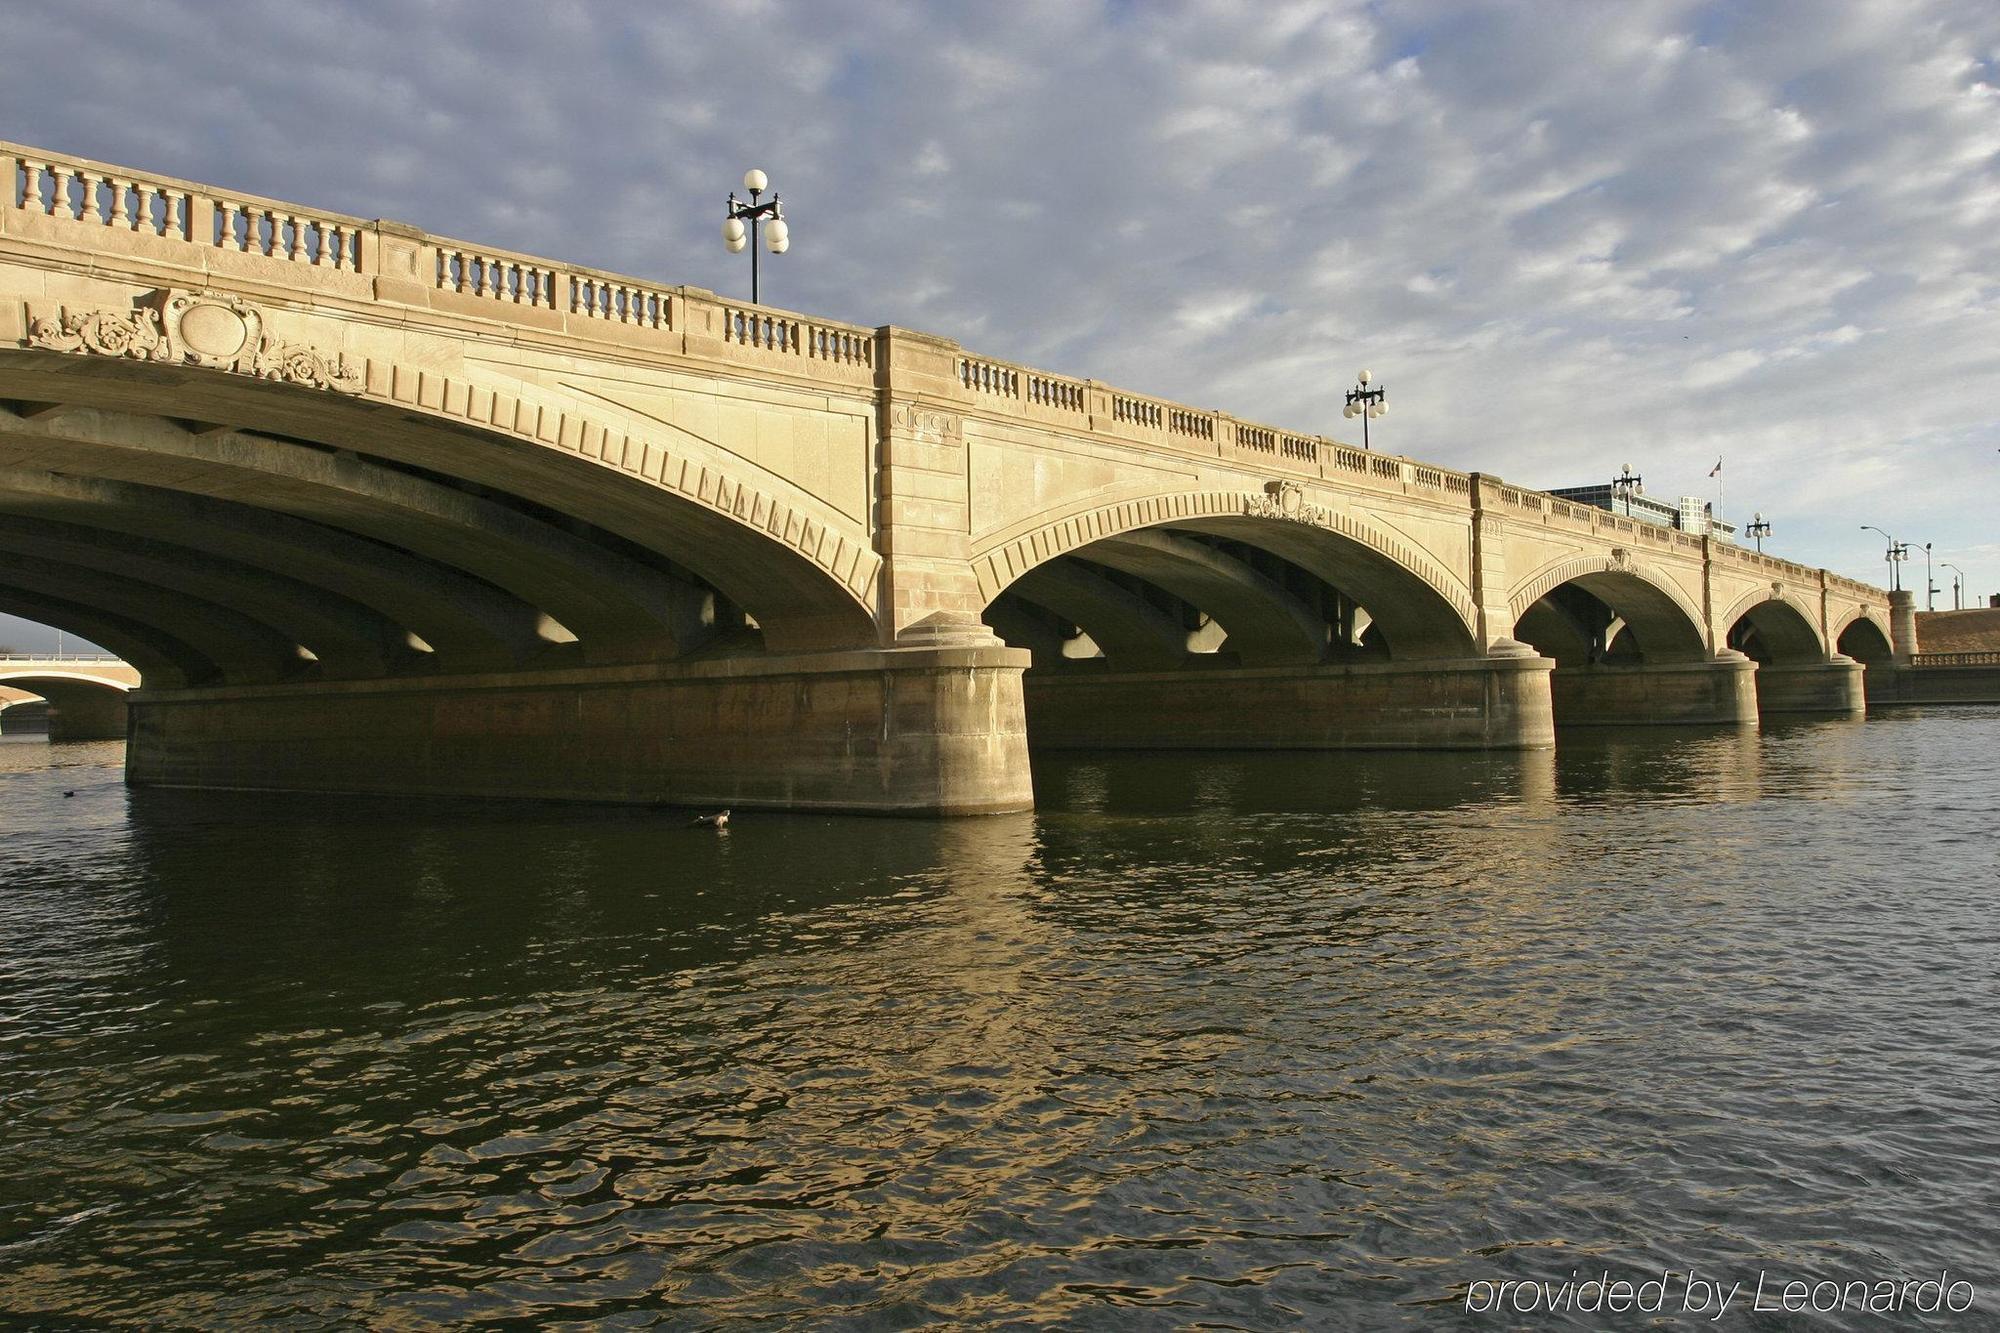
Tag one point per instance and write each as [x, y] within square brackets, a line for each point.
[1287, 500]
[206, 329]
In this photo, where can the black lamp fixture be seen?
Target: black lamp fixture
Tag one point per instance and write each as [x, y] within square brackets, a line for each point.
[740, 228]
[1365, 402]
[1626, 482]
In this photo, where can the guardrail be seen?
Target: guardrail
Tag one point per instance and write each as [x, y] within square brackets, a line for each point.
[60, 657]
[1954, 659]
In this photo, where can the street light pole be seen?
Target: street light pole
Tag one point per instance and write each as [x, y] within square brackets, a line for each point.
[1626, 481]
[1757, 528]
[1898, 552]
[777, 235]
[1365, 402]
[1957, 585]
[1930, 588]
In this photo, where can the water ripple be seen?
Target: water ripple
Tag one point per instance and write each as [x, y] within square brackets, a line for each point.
[1218, 1041]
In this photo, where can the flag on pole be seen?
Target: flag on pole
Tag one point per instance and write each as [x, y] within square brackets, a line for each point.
[1716, 471]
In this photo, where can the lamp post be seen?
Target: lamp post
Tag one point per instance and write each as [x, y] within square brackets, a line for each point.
[1365, 402]
[1957, 585]
[1758, 528]
[1626, 481]
[1898, 553]
[1930, 588]
[736, 235]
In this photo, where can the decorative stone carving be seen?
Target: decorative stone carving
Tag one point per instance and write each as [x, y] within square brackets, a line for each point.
[1777, 590]
[1287, 500]
[1621, 558]
[124, 333]
[1289, 495]
[208, 329]
[295, 363]
[926, 424]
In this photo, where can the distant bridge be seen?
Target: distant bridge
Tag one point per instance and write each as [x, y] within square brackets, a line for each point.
[375, 509]
[85, 693]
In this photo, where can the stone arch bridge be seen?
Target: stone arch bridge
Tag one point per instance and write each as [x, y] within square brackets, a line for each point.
[372, 509]
[83, 697]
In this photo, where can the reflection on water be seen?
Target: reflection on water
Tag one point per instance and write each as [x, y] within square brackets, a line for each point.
[1244, 1040]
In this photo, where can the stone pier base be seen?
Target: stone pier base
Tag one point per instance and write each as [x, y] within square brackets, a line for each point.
[1721, 692]
[925, 731]
[1476, 704]
[1811, 687]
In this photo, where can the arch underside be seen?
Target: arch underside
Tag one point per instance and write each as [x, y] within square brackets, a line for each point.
[1225, 590]
[1863, 639]
[1771, 628]
[214, 529]
[1605, 616]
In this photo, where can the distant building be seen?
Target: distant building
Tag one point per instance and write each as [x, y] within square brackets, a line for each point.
[1694, 514]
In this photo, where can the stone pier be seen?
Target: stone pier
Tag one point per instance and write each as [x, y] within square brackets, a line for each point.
[1722, 692]
[923, 731]
[1476, 704]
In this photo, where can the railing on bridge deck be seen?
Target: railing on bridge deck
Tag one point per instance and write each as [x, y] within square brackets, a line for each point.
[1954, 659]
[60, 657]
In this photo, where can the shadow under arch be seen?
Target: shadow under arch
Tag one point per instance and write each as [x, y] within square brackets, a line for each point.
[1629, 648]
[1862, 637]
[807, 585]
[1419, 610]
[1769, 626]
[1657, 616]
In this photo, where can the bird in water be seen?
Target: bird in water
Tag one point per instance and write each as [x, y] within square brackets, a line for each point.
[71, 793]
[720, 819]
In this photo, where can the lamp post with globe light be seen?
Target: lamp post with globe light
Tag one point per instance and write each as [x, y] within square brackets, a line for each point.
[1759, 528]
[1625, 483]
[737, 235]
[1365, 402]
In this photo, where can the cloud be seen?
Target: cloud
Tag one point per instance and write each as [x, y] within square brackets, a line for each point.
[1566, 236]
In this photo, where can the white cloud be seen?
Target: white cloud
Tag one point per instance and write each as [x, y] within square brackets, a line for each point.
[1565, 235]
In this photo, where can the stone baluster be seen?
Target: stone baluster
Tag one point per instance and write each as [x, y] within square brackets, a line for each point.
[225, 217]
[297, 250]
[142, 207]
[119, 217]
[59, 197]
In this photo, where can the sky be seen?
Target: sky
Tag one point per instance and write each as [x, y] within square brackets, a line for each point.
[1564, 235]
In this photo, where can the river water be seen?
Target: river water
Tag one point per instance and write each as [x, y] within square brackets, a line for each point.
[1233, 1041]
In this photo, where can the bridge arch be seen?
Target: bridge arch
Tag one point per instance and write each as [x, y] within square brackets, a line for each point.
[82, 706]
[1418, 611]
[443, 542]
[1665, 625]
[1774, 625]
[1861, 635]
